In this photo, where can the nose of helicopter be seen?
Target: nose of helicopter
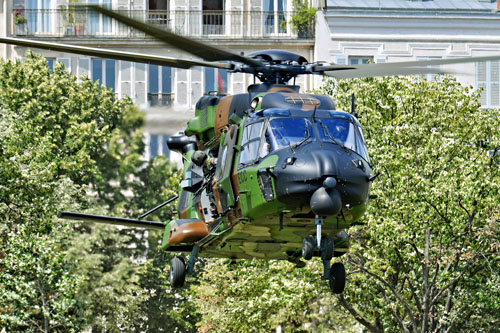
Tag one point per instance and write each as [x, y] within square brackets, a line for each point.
[323, 176]
[326, 200]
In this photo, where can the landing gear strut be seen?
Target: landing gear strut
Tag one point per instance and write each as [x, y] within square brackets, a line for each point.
[324, 247]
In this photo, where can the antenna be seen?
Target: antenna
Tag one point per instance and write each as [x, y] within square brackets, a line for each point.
[314, 113]
[353, 106]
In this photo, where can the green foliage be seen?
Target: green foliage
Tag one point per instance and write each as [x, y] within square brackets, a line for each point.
[249, 296]
[304, 17]
[71, 146]
[428, 258]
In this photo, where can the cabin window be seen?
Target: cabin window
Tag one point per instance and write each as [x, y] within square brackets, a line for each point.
[344, 133]
[250, 142]
[285, 132]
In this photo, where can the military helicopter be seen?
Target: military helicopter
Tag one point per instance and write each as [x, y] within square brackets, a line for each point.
[270, 174]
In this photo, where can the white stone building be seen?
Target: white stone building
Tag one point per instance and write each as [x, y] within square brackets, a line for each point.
[405, 30]
[167, 95]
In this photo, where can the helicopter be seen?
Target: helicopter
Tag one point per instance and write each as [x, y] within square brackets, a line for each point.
[272, 174]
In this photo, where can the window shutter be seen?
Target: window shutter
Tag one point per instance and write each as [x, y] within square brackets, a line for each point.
[481, 81]
[494, 84]
[140, 83]
[125, 78]
[181, 86]
[196, 86]
[236, 83]
[83, 67]
[380, 59]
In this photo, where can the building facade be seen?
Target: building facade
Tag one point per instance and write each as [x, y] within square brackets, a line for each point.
[405, 30]
[166, 95]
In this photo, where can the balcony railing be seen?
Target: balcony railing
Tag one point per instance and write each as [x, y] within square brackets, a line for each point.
[160, 99]
[216, 24]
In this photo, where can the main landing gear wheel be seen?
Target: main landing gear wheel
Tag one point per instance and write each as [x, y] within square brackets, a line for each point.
[307, 248]
[177, 272]
[337, 278]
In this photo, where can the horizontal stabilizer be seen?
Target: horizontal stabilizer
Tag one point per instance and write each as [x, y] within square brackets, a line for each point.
[111, 220]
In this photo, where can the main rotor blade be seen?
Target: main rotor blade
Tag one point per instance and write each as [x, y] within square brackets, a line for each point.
[199, 49]
[111, 220]
[113, 54]
[350, 73]
[395, 68]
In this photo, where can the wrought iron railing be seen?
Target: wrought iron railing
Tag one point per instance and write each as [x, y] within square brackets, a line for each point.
[160, 99]
[217, 24]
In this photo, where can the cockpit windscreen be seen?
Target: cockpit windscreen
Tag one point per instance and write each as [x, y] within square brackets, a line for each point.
[284, 132]
[343, 132]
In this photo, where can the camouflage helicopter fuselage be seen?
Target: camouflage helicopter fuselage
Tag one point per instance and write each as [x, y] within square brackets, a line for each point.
[272, 155]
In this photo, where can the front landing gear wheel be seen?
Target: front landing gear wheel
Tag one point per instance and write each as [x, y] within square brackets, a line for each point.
[177, 272]
[307, 248]
[337, 278]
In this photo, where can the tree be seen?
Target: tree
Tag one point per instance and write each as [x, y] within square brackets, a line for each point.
[427, 258]
[258, 295]
[46, 151]
[66, 145]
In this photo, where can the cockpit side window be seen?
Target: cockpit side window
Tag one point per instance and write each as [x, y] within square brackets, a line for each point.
[250, 142]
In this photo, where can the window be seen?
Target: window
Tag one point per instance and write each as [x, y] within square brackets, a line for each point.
[213, 17]
[51, 62]
[250, 142]
[39, 16]
[99, 23]
[215, 80]
[355, 60]
[158, 12]
[275, 20]
[488, 78]
[104, 72]
[158, 5]
[159, 85]
[158, 146]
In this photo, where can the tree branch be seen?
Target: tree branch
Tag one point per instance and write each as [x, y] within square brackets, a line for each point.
[356, 315]
[397, 295]
[394, 312]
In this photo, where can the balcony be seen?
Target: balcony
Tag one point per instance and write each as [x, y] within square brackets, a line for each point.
[160, 99]
[239, 25]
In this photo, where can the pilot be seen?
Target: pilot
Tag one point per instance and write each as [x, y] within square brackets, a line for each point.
[201, 159]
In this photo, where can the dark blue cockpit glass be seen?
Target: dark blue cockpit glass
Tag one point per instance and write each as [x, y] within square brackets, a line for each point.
[344, 133]
[284, 132]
